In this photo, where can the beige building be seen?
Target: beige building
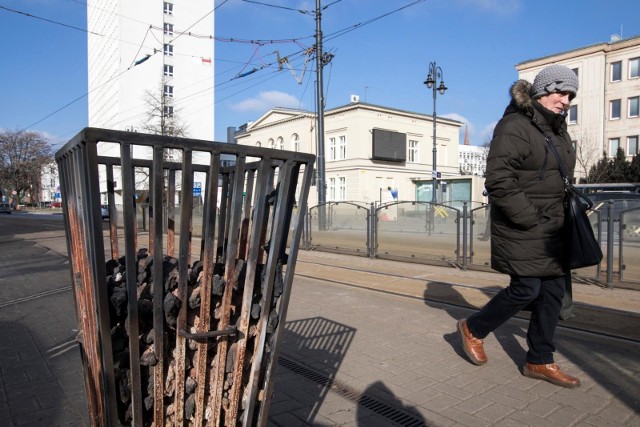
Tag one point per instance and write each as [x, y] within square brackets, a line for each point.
[372, 153]
[605, 114]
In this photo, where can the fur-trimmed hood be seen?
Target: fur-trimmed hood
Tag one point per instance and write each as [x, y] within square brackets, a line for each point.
[520, 98]
[523, 103]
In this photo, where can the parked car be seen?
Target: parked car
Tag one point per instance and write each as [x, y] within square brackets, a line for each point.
[5, 208]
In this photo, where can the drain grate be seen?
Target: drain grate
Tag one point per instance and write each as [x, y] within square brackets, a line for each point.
[395, 415]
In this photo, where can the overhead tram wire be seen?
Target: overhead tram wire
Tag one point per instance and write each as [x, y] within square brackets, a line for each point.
[325, 38]
[278, 6]
[362, 24]
[29, 15]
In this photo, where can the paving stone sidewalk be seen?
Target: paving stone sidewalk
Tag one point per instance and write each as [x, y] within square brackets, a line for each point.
[350, 356]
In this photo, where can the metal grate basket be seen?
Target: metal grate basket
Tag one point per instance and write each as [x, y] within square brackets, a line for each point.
[188, 333]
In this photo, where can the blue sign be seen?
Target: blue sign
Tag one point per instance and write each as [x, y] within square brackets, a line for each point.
[197, 188]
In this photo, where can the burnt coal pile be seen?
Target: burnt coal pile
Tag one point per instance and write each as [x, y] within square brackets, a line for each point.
[205, 367]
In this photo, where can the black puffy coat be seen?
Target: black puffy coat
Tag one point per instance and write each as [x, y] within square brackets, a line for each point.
[525, 188]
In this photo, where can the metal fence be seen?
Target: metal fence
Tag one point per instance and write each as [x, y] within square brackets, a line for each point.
[457, 235]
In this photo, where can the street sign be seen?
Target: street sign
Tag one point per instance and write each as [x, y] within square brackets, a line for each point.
[436, 174]
[197, 188]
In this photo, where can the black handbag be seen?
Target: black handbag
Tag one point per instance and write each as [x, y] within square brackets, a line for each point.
[581, 247]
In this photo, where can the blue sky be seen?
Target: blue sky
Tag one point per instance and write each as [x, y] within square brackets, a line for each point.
[380, 54]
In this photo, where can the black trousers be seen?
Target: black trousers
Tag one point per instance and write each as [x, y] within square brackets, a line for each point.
[542, 295]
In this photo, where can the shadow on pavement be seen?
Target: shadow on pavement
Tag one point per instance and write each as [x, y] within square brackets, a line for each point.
[611, 363]
[392, 409]
[315, 348]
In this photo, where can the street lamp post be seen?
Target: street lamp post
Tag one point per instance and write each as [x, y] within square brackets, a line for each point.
[435, 74]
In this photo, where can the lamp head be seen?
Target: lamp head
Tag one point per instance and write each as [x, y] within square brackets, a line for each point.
[430, 81]
[442, 88]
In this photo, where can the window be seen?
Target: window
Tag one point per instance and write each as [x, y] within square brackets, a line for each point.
[295, 142]
[271, 143]
[168, 29]
[632, 145]
[168, 50]
[332, 148]
[331, 190]
[280, 143]
[342, 188]
[168, 70]
[258, 144]
[413, 156]
[342, 148]
[634, 68]
[575, 70]
[168, 91]
[616, 71]
[633, 106]
[614, 109]
[168, 8]
[338, 148]
[337, 189]
[168, 111]
[573, 114]
[614, 144]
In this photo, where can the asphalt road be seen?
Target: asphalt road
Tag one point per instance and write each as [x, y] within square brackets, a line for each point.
[41, 381]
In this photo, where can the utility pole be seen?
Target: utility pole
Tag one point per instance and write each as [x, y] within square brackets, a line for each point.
[320, 183]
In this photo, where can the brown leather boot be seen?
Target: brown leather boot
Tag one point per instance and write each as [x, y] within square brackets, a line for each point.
[473, 347]
[552, 373]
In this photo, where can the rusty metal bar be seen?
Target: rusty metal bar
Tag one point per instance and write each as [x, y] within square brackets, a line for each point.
[278, 225]
[208, 261]
[227, 332]
[171, 214]
[113, 225]
[157, 187]
[246, 214]
[276, 340]
[85, 244]
[224, 217]
[130, 230]
[183, 265]
[231, 273]
[258, 223]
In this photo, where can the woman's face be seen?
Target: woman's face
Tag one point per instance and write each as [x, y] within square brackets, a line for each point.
[558, 102]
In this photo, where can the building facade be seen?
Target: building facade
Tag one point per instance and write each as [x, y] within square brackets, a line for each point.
[605, 114]
[473, 160]
[372, 153]
[159, 47]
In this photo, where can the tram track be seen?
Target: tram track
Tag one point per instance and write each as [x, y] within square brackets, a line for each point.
[590, 319]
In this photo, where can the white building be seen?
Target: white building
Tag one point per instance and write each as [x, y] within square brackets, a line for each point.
[605, 114]
[155, 46]
[371, 152]
[473, 159]
[50, 184]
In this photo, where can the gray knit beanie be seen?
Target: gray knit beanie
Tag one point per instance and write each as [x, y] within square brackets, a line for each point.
[555, 78]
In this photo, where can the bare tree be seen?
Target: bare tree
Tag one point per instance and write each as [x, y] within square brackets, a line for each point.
[162, 116]
[23, 154]
[587, 156]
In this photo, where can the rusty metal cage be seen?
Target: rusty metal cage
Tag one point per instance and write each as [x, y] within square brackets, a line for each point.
[186, 338]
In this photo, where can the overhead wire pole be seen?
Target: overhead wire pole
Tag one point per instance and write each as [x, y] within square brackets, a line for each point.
[320, 183]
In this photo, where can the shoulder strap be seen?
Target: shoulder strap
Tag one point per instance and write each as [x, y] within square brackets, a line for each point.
[563, 174]
[568, 186]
